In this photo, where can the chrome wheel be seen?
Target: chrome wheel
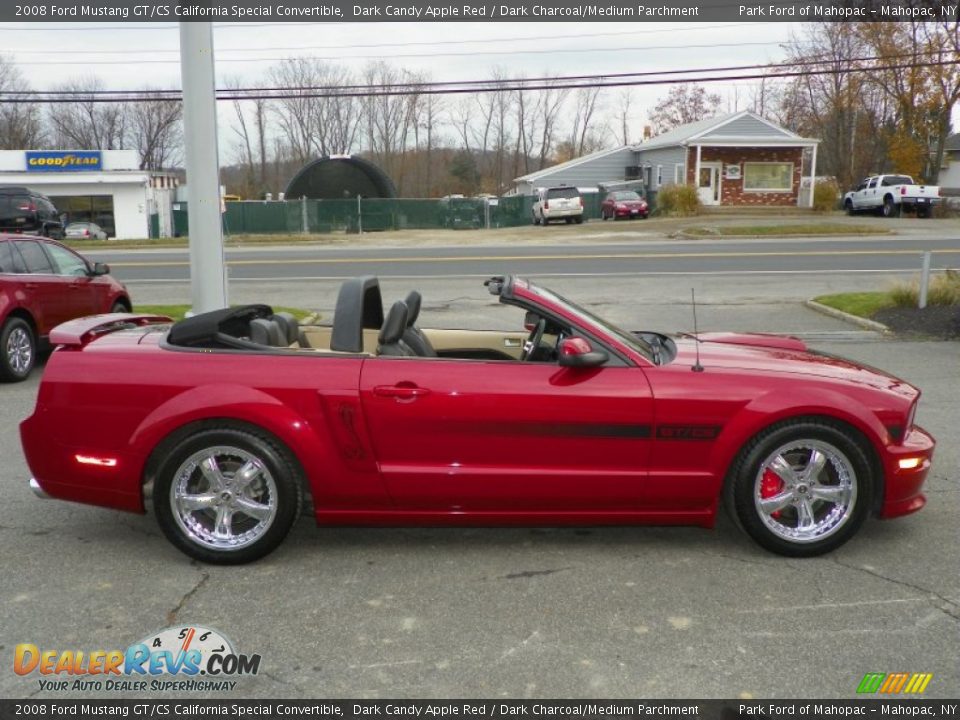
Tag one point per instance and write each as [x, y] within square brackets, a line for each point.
[223, 498]
[805, 491]
[19, 350]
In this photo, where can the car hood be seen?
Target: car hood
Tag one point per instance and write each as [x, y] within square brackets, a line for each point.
[781, 354]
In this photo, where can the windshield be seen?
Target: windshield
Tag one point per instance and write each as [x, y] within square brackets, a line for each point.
[627, 338]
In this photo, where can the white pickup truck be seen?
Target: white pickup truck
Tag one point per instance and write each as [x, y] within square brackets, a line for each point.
[889, 194]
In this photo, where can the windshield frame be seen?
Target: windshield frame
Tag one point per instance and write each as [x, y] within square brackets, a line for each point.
[582, 316]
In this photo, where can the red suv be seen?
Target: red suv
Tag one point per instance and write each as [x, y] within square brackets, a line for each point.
[42, 284]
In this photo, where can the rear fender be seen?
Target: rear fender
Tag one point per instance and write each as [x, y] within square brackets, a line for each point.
[310, 447]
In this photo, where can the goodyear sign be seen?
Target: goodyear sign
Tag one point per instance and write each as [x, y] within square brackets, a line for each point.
[64, 161]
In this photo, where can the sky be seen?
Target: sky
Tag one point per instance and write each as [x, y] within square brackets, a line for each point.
[129, 56]
[132, 56]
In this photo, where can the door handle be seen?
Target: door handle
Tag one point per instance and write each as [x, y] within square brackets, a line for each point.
[511, 342]
[401, 391]
[31, 286]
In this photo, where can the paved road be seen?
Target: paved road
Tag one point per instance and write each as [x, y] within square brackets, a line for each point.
[882, 254]
[616, 612]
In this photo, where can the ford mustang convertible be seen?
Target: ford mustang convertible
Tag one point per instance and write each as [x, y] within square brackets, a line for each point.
[229, 422]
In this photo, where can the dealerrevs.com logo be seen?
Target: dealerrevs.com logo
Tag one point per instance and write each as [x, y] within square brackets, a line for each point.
[174, 659]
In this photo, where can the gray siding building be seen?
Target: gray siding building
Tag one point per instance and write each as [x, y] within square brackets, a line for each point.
[735, 159]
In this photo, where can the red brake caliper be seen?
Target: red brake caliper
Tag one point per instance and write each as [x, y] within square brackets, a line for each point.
[771, 485]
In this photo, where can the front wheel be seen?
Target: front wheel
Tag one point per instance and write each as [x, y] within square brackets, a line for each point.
[801, 488]
[227, 495]
[848, 206]
[18, 350]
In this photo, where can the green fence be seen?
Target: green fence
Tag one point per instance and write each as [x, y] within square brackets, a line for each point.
[369, 215]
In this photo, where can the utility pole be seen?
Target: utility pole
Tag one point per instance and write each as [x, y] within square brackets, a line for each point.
[208, 282]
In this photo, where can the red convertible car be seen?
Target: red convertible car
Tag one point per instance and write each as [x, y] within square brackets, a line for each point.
[228, 422]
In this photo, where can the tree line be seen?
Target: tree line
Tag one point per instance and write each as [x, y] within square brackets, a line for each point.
[879, 96]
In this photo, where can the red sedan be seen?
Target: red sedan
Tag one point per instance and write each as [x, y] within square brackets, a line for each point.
[42, 284]
[624, 204]
[232, 420]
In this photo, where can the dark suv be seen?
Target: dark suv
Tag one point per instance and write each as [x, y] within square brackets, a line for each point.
[24, 211]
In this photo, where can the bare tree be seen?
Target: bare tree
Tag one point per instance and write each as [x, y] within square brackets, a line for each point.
[85, 124]
[156, 131]
[583, 137]
[622, 116]
[388, 118]
[838, 106]
[550, 107]
[685, 103]
[310, 125]
[251, 128]
[21, 124]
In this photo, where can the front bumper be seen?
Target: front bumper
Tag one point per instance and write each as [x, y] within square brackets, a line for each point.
[902, 492]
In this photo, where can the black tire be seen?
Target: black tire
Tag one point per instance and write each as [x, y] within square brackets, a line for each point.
[18, 350]
[603, 215]
[119, 307]
[578, 219]
[924, 212]
[845, 469]
[848, 206]
[890, 209]
[568, 220]
[275, 489]
[536, 220]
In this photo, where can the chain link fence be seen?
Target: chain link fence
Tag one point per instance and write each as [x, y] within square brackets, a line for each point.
[286, 217]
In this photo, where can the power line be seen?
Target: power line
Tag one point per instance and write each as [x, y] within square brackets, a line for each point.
[414, 86]
[477, 53]
[596, 81]
[525, 38]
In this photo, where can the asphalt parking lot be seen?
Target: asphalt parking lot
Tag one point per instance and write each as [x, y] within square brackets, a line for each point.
[621, 612]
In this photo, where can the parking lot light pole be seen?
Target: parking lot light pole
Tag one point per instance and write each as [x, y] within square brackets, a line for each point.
[208, 286]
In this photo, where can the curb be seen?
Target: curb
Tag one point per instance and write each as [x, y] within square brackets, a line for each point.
[848, 317]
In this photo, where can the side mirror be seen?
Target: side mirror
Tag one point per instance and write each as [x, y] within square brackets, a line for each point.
[100, 268]
[577, 352]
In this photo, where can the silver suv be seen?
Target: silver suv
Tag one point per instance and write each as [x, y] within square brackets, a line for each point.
[556, 203]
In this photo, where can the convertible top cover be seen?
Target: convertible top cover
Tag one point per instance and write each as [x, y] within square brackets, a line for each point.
[209, 328]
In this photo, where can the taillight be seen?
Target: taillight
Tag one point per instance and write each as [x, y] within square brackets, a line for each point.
[546, 204]
[86, 233]
[903, 190]
[29, 207]
[580, 200]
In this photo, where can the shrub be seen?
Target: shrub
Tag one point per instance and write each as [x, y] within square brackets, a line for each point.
[944, 289]
[678, 201]
[826, 196]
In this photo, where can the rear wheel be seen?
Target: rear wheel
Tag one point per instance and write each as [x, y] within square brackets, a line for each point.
[18, 350]
[890, 209]
[848, 206]
[923, 212]
[801, 488]
[227, 495]
[536, 220]
[119, 307]
[578, 219]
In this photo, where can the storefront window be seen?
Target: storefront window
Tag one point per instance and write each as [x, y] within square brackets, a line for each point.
[88, 208]
[768, 177]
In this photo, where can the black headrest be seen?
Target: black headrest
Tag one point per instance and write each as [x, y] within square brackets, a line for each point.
[395, 324]
[413, 307]
[267, 332]
[359, 306]
[203, 329]
[288, 323]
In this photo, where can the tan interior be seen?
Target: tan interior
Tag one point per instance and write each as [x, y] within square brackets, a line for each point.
[503, 341]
